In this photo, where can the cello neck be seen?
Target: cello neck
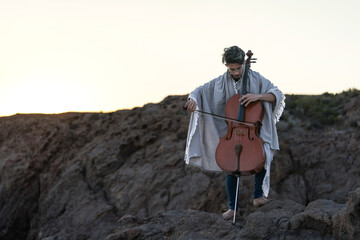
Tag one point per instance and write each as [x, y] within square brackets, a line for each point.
[241, 111]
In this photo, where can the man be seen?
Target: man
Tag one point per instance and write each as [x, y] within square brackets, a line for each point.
[204, 131]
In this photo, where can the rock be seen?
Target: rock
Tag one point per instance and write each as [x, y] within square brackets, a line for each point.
[176, 224]
[346, 223]
[121, 175]
[276, 220]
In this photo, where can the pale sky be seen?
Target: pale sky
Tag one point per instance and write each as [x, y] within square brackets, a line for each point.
[102, 55]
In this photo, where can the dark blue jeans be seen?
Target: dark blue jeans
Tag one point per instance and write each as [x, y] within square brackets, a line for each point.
[231, 187]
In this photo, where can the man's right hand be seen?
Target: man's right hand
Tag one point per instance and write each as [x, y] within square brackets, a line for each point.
[190, 105]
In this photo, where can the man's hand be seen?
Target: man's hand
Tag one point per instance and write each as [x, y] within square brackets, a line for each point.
[190, 105]
[250, 97]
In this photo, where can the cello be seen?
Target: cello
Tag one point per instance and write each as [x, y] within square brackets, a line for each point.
[241, 150]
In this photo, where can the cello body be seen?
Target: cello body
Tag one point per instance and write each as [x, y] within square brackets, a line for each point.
[241, 150]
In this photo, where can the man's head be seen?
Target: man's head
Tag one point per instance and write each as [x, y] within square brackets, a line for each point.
[233, 58]
[233, 54]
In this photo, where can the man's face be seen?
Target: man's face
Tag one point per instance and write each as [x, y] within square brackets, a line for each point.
[235, 70]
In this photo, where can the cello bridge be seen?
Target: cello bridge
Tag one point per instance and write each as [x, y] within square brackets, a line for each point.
[239, 132]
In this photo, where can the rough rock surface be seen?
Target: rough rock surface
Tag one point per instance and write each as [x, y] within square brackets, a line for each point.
[121, 175]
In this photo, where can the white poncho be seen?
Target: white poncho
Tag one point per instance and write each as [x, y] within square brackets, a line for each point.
[204, 131]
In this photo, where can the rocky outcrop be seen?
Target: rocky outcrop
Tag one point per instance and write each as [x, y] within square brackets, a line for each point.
[121, 175]
[321, 219]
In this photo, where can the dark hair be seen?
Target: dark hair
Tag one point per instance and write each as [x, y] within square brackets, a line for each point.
[233, 54]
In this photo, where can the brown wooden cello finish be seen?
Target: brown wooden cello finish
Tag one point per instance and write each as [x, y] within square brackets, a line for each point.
[241, 150]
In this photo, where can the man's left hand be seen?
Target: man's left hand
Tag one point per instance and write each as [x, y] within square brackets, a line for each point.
[249, 98]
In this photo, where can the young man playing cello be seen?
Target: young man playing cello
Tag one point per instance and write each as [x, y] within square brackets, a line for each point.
[204, 131]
